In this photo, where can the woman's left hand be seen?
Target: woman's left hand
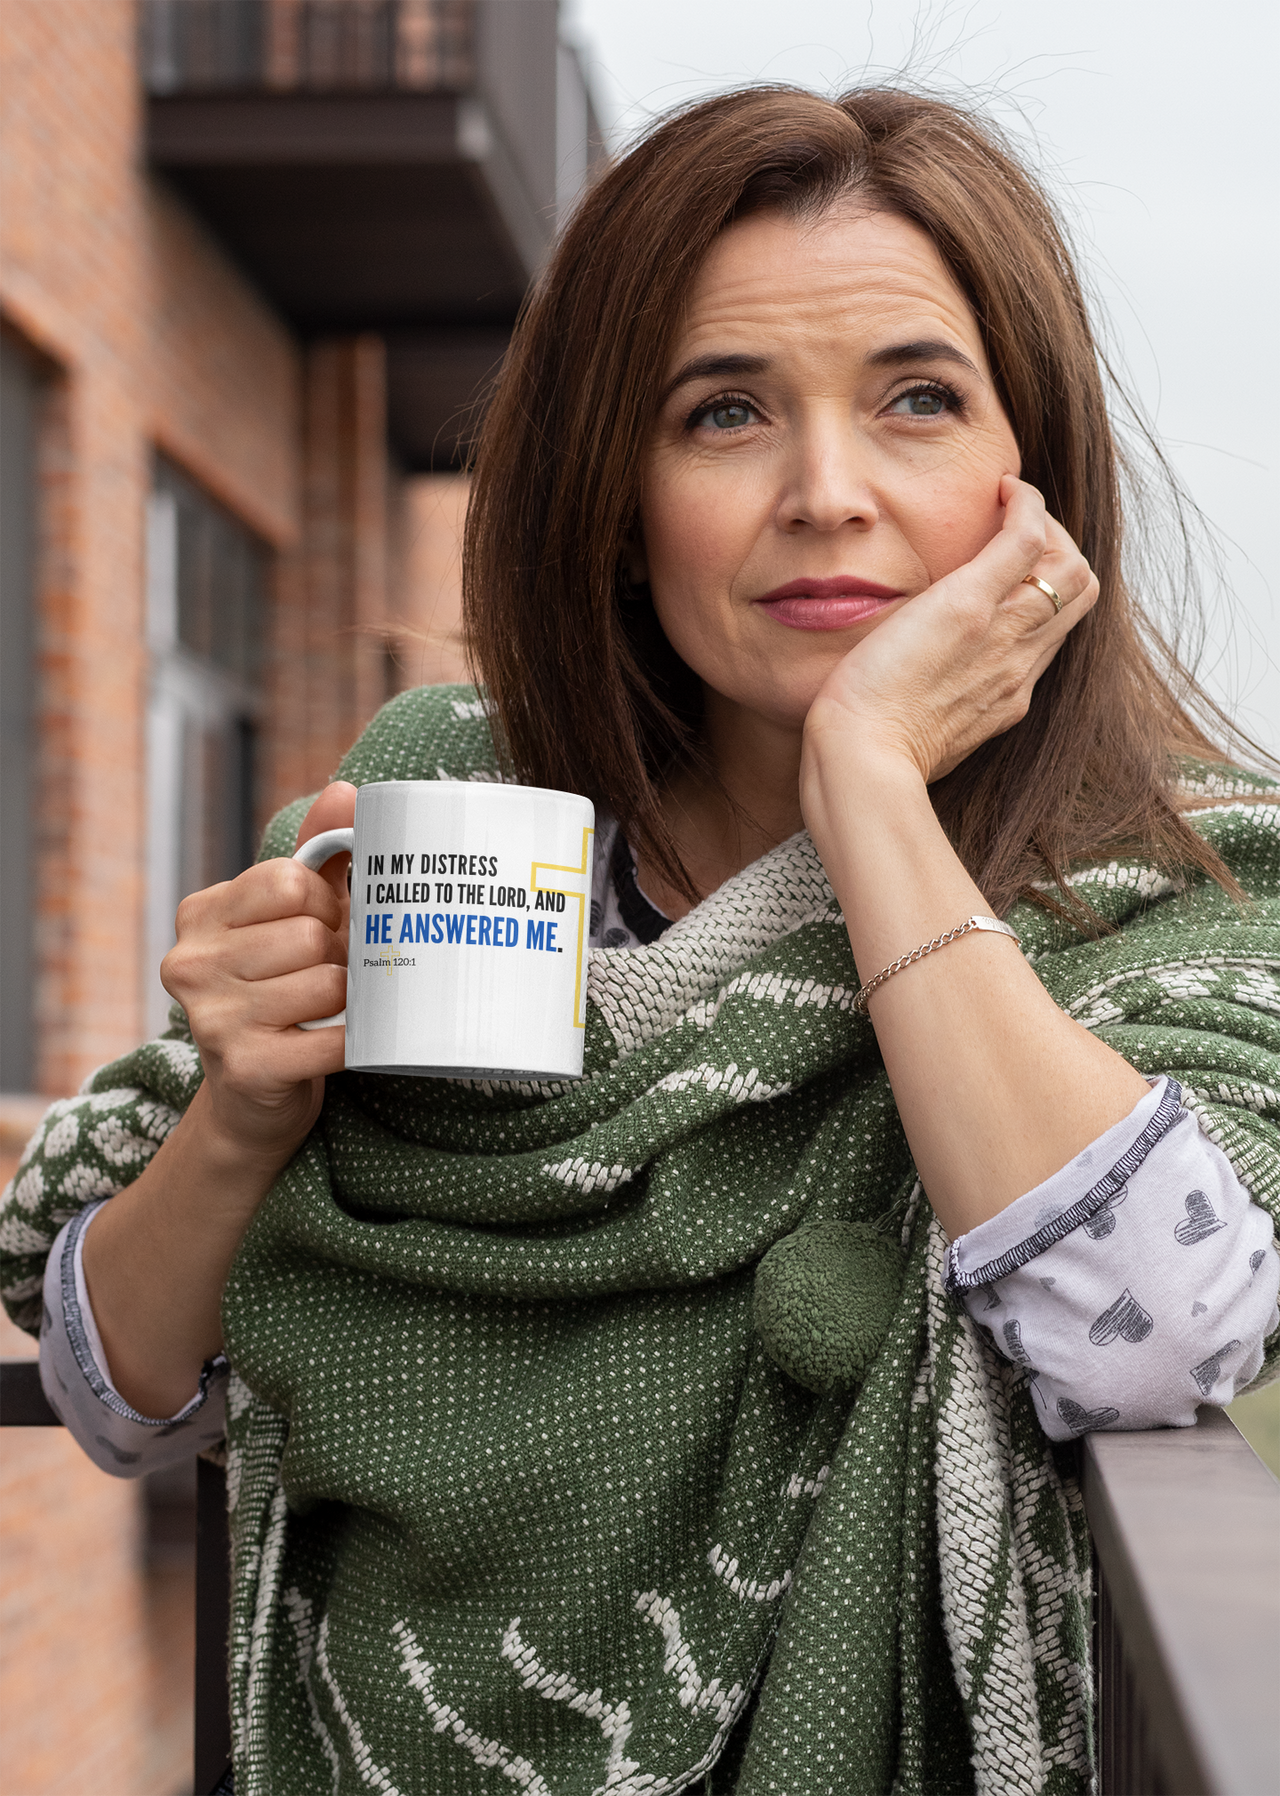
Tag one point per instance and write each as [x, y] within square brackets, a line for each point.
[956, 664]
[996, 1088]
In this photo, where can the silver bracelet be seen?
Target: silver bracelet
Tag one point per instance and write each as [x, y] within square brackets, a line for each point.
[939, 941]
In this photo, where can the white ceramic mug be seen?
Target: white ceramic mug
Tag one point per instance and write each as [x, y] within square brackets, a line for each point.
[470, 918]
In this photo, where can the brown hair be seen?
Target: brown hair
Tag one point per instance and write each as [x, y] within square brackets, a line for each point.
[586, 693]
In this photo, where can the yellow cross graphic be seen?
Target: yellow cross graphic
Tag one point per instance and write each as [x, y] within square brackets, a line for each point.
[583, 898]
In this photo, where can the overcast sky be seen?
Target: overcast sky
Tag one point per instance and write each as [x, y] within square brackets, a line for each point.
[1155, 122]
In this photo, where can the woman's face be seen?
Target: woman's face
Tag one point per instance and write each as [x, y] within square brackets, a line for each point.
[830, 443]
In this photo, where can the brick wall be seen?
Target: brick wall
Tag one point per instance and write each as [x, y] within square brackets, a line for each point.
[370, 601]
[427, 589]
[149, 338]
[153, 338]
[328, 665]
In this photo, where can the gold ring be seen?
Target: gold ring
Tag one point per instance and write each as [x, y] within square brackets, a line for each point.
[1046, 589]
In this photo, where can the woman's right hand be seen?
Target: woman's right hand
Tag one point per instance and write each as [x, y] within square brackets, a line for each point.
[255, 956]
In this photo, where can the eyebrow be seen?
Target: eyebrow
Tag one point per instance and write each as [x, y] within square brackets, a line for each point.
[725, 367]
[716, 367]
[923, 349]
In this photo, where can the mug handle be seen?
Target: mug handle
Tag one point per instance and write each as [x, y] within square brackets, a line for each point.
[314, 854]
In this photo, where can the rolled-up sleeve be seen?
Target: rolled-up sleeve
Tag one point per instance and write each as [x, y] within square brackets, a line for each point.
[1137, 1283]
[78, 1385]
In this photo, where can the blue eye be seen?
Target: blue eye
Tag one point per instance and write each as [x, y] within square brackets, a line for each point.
[726, 414]
[923, 402]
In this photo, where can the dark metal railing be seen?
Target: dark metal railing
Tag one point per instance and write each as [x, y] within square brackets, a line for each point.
[212, 1742]
[1186, 1532]
[23, 1404]
[211, 46]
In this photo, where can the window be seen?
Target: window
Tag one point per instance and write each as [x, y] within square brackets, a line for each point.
[206, 604]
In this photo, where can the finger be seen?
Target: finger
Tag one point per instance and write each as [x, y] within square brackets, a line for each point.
[261, 894]
[1015, 548]
[1075, 584]
[1064, 569]
[301, 997]
[1067, 569]
[1026, 520]
[266, 1063]
[208, 972]
[1057, 540]
[334, 809]
[300, 1054]
[1050, 632]
[286, 945]
[223, 1018]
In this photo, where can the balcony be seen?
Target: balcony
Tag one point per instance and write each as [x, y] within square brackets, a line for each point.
[1186, 1534]
[387, 165]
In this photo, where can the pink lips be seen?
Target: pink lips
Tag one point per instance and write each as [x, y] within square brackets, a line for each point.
[831, 604]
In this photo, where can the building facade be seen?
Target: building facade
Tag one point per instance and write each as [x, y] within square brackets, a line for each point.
[258, 259]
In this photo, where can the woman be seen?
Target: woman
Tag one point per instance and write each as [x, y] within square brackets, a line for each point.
[698, 1423]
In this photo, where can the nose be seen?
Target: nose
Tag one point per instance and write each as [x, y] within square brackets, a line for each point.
[827, 479]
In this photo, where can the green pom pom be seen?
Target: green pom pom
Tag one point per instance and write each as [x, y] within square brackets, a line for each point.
[824, 1299]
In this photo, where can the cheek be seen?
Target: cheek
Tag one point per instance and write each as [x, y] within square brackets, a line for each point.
[690, 619]
[695, 544]
[947, 538]
[958, 517]
[699, 525]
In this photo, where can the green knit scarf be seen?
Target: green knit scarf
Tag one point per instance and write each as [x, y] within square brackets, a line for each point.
[618, 1436]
